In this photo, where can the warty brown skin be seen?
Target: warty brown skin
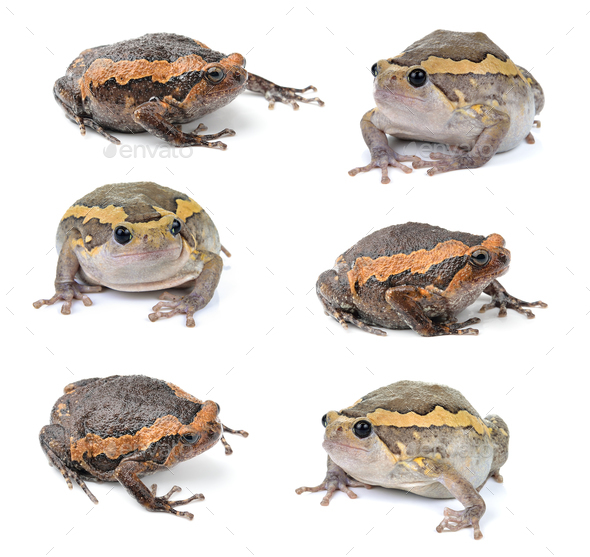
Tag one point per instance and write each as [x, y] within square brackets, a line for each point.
[137, 237]
[123, 427]
[455, 88]
[417, 276]
[419, 437]
[155, 83]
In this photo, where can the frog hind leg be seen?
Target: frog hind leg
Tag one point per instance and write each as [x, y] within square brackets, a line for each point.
[496, 125]
[458, 487]
[329, 296]
[155, 115]
[403, 300]
[500, 438]
[199, 297]
[128, 472]
[276, 93]
[56, 447]
[501, 299]
[72, 106]
[336, 480]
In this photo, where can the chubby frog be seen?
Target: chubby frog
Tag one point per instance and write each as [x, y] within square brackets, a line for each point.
[455, 88]
[418, 276]
[155, 83]
[138, 237]
[418, 437]
[123, 427]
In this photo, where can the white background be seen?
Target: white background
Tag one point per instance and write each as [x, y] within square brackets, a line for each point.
[286, 208]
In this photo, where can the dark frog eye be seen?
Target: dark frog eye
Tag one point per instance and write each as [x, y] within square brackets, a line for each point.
[375, 69]
[417, 77]
[175, 228]
[480, 257]
[215, 75]
[362, 429]
[122, 235]
[325, 420]
[190, 438]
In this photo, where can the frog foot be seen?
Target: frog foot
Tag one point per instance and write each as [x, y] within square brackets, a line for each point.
[456, 520]
[344, 318]
[177, 304]
[454, 328]
[289, 95]
[205, 140]
[68, 292]
[336, 479]
[446, 163]
[164, 504]
[383, 158]
[505, 301]
[83, 122]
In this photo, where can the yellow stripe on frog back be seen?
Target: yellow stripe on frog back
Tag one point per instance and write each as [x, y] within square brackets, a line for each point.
[438, 417]
[187, 208]
[490, 64]
[108, 215]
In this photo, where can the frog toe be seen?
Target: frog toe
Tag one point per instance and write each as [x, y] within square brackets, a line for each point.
[457, 520]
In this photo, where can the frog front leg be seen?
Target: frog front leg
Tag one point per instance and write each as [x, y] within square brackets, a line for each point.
[458, 487]
[501, 299]
[56, 448]
[66, 288]
[128, 473]
[199, 297]
[336, 480]
[403, 299]
[156, 116]
[276, 93]
[495, 127]
[382, 155]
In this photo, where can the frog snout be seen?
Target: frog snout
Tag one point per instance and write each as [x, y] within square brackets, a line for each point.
[504, 256]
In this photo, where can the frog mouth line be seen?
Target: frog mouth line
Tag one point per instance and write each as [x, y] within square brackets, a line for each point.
[389, 93]
[327, 442]
[146, 254]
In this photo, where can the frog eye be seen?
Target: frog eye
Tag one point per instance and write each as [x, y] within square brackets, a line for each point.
[480, 257]
[175, 228]
[375, 69]
[190, 438]
[122, 235]
[417, 77]
[325, 420]
[362, 429]
[215, 75]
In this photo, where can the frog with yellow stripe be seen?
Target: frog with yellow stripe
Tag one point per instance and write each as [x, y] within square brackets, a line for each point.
[419, 437]
[455, 88]
[138, 237]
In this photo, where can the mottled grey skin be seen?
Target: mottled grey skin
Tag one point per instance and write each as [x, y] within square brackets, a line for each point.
[428, 299]
[475, 104]
[123, 427]
[156, 82]
[424, 438]
[156, 257]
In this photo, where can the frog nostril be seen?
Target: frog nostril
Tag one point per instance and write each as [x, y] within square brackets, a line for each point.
[339, 429]
[145, 237]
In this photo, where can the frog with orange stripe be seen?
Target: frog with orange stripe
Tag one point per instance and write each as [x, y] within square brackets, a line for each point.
[418, 276]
